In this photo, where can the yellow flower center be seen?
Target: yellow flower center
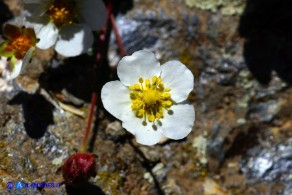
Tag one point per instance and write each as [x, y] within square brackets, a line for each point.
[19, 40]
[150, 98]
[20, 45]
[62, 12]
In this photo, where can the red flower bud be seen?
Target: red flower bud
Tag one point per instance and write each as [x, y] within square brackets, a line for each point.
[78, 168]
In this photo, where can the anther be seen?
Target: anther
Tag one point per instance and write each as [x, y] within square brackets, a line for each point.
[154, 79]
[140, 80]
[159, 80]
[141, 112]
[134, 106]
[166, 95]
[131, 87]
[132, 96]
[147, 82]
[137, 87]
[151, 118]
[158, 116]
[168, 103]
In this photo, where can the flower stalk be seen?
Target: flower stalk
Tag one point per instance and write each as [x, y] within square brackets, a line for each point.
[79, 167]
[89, 122]
[118, 37]
[100, 53]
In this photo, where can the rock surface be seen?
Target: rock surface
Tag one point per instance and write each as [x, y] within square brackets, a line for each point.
[243, 127]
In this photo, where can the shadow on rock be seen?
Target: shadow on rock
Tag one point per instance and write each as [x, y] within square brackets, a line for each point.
[37, 111]
[86, 188]
[241, 140]
[5, 14]
[266, 27]
[76, 75]
[123, 6]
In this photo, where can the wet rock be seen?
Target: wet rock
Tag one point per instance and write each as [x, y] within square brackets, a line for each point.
[263, 111]
[270, 163]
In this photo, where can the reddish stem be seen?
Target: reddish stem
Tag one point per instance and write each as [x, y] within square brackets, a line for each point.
[102, 37]
[118, 37]
[99, 60]
[89, 122]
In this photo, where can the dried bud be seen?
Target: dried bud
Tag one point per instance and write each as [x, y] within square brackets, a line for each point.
[78, 168]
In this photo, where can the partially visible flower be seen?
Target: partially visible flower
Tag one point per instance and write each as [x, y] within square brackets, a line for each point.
[150, 99]
[18, 47]
[66, 23]
[5, 85]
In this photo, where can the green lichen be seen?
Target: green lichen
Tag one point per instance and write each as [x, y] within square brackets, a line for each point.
[226, 7]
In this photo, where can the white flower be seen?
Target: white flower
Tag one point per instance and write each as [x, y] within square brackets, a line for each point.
[150, 99]
[66, 23]
[18, 47]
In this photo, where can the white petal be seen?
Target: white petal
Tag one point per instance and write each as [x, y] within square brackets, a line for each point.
[38, 1]
[16, 69]
[32, 1]
[92, 13]
[145, 134]
[178, 121]
[140, 64]
[47, 34]
[27, 57]
[21, 64]
[178, 78]
[116, 99]
[74, 40]
[36, 9]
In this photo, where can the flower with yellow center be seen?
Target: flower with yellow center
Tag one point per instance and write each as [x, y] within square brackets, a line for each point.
[150, 99]
[18, 47]
[62, 12]
[67, 24]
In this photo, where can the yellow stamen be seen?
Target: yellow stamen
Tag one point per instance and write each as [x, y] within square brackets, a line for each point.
[141, 112]
[151, 118]
[154, 79]
[19, 40]
[168, 103]
[167, 95]
[62, 12]
[140, 80]
[150, 98]
[136, 86]
[167, 90]
[147, 83]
